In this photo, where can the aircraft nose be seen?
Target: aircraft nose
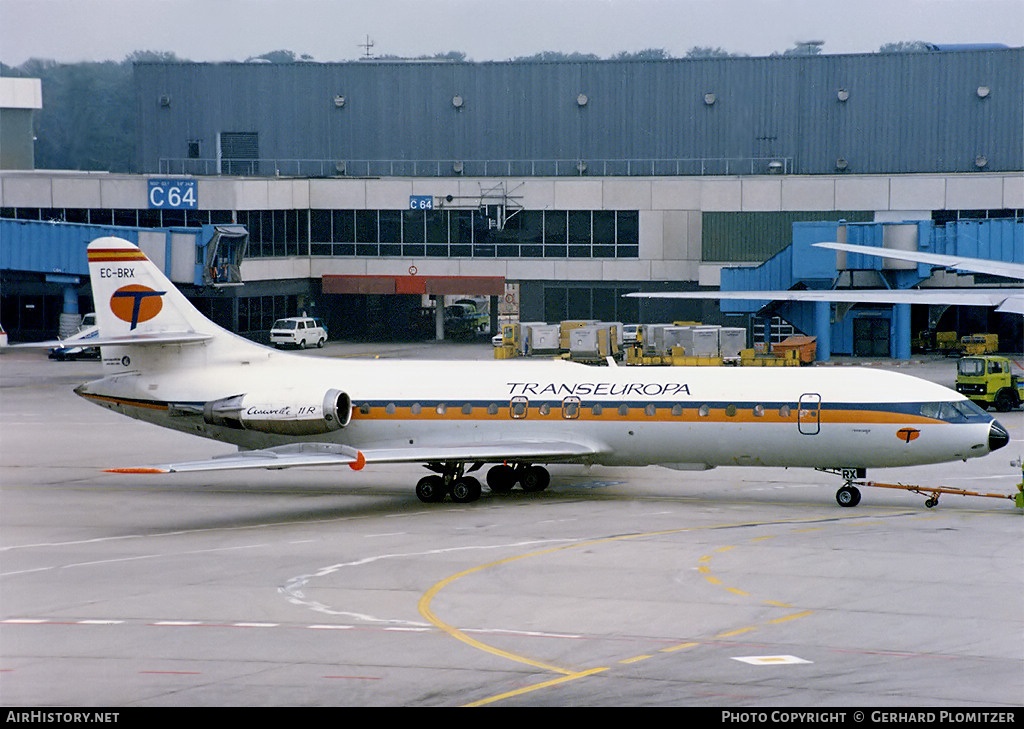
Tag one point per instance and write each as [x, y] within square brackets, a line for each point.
[997, 436]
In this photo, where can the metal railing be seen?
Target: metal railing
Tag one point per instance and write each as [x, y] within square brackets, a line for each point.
[280, 167]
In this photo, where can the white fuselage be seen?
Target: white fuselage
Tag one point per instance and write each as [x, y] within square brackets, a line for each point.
[692, 417]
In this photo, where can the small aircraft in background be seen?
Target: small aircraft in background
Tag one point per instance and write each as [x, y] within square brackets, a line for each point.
[79, 345]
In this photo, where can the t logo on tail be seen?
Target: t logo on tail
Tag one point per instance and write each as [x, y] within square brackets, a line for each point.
[136, 303]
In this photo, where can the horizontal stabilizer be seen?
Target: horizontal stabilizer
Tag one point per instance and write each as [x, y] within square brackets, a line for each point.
[128, 339]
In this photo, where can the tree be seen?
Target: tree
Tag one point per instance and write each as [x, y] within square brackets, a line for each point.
[557, 56]
[281, 56]
[648, 54]
[904, 47]
[708, 52]
[808, 48]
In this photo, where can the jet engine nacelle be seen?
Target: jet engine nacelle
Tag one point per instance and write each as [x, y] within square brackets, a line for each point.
[285, 412]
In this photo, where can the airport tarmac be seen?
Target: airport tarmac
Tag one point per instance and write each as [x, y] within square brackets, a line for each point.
[616, 587]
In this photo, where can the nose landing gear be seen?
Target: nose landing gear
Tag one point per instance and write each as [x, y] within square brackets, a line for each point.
[848, 495]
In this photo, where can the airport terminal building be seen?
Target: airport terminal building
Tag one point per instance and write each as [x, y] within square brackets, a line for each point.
[553, 188]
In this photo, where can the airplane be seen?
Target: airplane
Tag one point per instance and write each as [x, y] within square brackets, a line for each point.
[78, 345]
[165, 363]
[1004, 299]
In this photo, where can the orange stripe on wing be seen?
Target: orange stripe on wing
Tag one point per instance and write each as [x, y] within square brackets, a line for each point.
[136, 470]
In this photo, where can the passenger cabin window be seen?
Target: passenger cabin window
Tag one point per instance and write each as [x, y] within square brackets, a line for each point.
[571, 408]
[518, 407]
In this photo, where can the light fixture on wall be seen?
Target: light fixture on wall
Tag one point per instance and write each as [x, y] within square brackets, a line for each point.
[339, 101]
[709, 98]
[581, 100]
[981, 161]
[843, 94]
[457, 101]
[983, 92]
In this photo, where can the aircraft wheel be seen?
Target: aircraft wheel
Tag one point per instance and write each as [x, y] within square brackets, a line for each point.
[1005, 400]
[430, 489]
[534, 478]
[501, 479]
[848, 496]
[466, 490]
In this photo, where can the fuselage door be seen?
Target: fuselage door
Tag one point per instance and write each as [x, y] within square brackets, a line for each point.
[808, 414]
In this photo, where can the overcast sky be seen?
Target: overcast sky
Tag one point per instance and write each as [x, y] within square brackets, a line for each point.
[485, 30]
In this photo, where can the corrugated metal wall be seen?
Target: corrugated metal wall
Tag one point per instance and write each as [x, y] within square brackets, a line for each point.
[903, 112]
[757, 236]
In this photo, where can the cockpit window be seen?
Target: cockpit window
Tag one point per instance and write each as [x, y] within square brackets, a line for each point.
[970, 409]
[956, 411]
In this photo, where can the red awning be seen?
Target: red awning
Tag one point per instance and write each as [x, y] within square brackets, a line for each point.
[440, 285]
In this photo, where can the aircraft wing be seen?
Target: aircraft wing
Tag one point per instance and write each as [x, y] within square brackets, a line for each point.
[974, 265]
[1004, 299]
[332, 454]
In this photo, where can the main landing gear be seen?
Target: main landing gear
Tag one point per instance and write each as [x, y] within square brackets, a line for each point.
[451, 478]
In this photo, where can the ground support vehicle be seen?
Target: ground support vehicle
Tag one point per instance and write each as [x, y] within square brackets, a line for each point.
[988, 381]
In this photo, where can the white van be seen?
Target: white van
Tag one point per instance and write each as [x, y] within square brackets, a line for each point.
[298, 331]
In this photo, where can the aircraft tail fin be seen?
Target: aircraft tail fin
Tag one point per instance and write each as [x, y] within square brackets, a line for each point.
[137, 305]
[133, 297]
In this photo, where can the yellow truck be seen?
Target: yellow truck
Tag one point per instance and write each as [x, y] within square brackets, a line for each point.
[979, 343]
[987, 380]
